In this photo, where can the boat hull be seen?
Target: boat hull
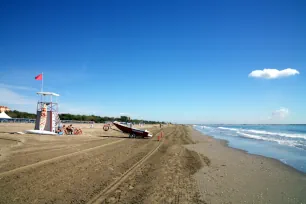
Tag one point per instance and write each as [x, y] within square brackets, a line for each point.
[132, 131]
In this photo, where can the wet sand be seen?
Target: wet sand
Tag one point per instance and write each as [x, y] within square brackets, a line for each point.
[234, 176]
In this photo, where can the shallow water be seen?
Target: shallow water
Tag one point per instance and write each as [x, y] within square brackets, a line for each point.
[286, 143]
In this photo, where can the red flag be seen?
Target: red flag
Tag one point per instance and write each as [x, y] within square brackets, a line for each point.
[38, 77]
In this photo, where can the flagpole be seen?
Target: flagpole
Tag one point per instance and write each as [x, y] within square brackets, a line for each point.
[42, 85]
[42, 81]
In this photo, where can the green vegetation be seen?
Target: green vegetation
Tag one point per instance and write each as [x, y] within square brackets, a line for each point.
[96, 119]
[17, 114]
[99, 119]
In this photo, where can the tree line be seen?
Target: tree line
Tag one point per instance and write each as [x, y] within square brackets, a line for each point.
[96, 119]
[18, 114]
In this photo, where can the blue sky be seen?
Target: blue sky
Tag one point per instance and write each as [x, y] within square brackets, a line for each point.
[179, 61]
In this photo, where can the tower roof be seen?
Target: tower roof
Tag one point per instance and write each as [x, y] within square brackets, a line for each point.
[48, 93]
[4, 115]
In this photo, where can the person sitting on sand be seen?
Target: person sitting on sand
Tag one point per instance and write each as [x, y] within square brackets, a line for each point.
[65, 130]
[78, 131]
[69, 129]
[59, 131]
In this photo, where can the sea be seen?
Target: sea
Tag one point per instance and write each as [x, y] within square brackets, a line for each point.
[286, 143]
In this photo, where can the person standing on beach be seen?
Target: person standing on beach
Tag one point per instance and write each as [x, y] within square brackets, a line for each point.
[131, 124]
[92, 124]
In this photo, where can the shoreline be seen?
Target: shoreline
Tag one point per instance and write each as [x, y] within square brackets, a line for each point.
[237, 176]
[226, 144]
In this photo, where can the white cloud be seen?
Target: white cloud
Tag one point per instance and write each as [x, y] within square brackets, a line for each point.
[16, 101]
[280, 114]
[81, 109]
[17, 87]
[10, 97]
[125, 114]
[273, 73]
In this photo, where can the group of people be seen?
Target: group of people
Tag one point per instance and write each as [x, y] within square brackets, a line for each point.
[69, 130]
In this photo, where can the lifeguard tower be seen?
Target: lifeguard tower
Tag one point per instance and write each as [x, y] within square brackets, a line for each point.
[47, 118]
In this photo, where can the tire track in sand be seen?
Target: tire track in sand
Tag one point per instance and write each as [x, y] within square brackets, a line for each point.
[24, 168]
[54, 147]
[114, 185]
[164, 178]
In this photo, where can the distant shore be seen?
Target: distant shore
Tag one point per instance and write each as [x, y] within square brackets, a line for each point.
[234, 176]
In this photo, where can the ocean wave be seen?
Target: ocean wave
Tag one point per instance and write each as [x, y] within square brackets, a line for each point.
[225, 128]
[262, 132]
[293, 140]
[252, 136]
[281, 142]
[203, 126]
[291, 135]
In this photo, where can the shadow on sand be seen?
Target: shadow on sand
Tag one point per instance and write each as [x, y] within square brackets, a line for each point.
[8, 132]
[124, 137]
[114, 136]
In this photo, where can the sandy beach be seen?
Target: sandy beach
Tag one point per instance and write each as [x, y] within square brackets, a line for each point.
[234, 176]
[97, 167]
[108, 167]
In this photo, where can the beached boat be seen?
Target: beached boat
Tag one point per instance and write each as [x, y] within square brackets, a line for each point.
[132, 131]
